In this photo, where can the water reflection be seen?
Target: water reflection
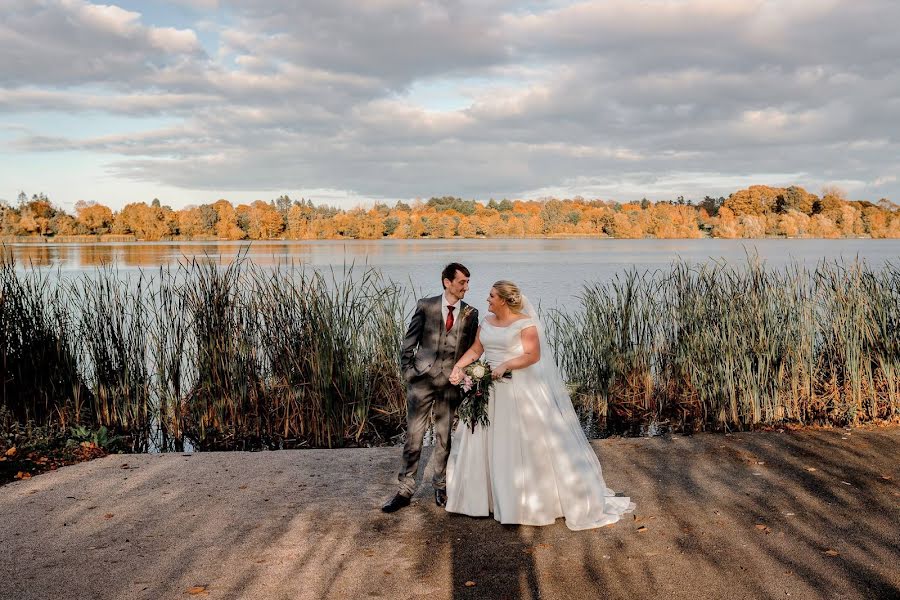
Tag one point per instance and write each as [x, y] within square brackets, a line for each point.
[95, 255]
[551, 271]
[36, 255]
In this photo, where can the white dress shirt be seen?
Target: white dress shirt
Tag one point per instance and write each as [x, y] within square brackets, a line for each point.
[445, 302]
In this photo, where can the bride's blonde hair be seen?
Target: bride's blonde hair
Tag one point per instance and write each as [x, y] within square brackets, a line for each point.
[510, 293]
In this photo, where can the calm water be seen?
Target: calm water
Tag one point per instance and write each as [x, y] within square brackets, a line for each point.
[550, 271]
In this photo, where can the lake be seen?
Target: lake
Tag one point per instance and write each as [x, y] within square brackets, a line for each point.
[550, 271]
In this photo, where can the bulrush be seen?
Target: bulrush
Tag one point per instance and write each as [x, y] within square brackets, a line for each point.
[238, 356]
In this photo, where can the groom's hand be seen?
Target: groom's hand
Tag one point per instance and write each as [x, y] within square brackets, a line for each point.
[456, 375]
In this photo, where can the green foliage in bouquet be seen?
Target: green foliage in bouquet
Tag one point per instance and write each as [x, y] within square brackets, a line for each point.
[476, 389]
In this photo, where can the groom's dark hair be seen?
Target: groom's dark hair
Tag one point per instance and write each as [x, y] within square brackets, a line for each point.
[450, 270]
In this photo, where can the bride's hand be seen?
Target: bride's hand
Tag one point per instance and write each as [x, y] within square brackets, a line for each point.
[498, 371]
[456, 375]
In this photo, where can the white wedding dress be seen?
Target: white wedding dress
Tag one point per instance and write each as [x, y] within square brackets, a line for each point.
[533, 463]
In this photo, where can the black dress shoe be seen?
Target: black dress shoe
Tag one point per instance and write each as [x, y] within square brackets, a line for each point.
[395, 503]
[440, 498]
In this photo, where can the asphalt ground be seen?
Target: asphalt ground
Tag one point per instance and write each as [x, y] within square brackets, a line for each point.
[793, 514]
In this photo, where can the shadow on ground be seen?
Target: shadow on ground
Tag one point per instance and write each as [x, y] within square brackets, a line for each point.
[811, 514]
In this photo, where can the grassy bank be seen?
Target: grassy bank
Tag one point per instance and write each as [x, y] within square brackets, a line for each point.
[218, 357]
[241, 357]
[720, 346]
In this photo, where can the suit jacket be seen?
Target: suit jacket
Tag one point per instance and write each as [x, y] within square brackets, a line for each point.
[422, 344]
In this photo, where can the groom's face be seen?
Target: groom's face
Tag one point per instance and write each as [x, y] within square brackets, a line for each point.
[459, 286]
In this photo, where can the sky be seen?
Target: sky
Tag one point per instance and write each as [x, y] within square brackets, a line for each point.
[348, 102]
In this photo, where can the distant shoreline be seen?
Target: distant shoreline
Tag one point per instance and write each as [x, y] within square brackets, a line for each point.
[130, 239]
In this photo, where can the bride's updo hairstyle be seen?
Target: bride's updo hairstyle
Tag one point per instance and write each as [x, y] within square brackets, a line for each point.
[510, 294]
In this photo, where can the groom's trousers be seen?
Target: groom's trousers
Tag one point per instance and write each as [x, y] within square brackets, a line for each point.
[425, 398]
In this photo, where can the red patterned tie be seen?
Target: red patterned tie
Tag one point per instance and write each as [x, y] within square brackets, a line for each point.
[450, 317]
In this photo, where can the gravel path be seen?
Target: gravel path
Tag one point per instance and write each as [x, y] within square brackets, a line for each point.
[810, 514]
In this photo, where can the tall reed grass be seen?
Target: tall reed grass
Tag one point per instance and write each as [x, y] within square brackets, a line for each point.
[40, 379]
[725, 347]
[242, 357]
[213, 356]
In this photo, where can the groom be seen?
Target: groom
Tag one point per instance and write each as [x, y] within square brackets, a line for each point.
[441, 330]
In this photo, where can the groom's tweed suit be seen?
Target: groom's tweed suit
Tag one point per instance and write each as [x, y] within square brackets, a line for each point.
[427, 359]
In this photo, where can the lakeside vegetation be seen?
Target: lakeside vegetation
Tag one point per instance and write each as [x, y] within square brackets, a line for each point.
[241, 357]
[730, 347]
[755, 212]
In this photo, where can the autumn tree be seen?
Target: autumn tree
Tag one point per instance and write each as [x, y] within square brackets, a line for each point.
[92, 218]
[755, 200]
[35, 216]
[227, 222]
[262, 220]
[146, 222]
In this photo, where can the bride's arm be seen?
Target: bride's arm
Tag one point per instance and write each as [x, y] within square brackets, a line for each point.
[531, 353]
[470, 356]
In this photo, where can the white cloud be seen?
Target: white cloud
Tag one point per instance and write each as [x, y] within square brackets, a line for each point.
[71, 42]
[678, 96]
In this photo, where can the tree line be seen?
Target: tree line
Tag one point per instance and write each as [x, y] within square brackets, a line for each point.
[758, 211]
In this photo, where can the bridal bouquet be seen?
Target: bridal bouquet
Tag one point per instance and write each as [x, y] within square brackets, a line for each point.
[476, 389]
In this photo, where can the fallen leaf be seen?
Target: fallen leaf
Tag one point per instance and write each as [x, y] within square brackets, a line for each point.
[197, 590]
[764, 528]
[830, 552]
[470, 584]
[887, 477]
[846, 483]
[23, 475]
[642, 529]
[123, 466]
[811, 469]
[11, 451]
[108, 516]
[243, 487]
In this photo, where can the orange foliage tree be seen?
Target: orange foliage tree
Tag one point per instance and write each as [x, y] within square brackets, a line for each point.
[758, 211]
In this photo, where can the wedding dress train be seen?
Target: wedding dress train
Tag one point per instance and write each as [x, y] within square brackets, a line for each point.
[533, 463]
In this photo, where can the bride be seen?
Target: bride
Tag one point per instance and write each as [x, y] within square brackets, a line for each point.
[533, 463]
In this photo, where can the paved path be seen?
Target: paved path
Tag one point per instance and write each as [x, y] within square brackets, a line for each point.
[813, 514]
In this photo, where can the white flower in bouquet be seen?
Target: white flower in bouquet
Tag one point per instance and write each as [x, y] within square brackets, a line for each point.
[476, 387]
